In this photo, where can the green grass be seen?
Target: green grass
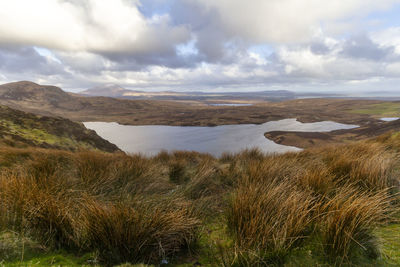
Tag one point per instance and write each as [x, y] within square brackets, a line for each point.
[22, 251]
[310, 254]
[40, 136]
[390, 243]
[388, 109]
[22, 130]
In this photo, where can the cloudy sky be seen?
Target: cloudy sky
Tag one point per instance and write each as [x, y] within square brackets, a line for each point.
[212, 45]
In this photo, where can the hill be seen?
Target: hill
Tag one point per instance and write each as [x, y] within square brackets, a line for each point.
[52, 101]
[110, 90]
[22, 129]
[39, 99]
[113, 90]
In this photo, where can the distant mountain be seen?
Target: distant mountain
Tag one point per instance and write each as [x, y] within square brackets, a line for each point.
[110, 90]
[113, 90]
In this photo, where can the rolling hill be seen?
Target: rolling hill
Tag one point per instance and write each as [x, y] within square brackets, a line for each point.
[52, 101]
[110, 90]
[22, 129]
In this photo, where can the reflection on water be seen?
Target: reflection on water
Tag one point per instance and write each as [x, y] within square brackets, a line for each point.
[231, 105]
[390, 119]
[151, 139]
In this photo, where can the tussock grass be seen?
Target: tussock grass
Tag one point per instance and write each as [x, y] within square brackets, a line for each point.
[340, 194]
[130, 208]
[269, 218]
[367, 165]
[349, 220]
[137, 232]
[93, 201]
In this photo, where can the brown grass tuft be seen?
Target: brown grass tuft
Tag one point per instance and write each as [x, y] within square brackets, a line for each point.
[137, 232]
[349, 220]
[269, 218]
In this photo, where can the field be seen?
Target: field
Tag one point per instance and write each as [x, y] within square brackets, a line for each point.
[331, 206]
[388, 109]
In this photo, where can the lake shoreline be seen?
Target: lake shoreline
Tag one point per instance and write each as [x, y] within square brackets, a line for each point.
[216, 140]
[313, 139]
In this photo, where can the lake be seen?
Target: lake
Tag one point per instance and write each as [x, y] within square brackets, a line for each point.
[230, 105]
[389, 119]
[151, 139]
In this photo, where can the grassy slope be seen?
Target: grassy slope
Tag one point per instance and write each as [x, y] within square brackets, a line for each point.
[21, 129]
[61, 204]
[388, 109]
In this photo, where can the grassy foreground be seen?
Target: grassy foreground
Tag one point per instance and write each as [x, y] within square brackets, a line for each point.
[332, 206]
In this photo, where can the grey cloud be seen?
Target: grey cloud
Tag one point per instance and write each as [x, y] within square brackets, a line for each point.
[319, 48]
[27, 60]
[206, 25]
[136, 62]
[363, 47]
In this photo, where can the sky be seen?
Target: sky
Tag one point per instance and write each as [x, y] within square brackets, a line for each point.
[203, 45]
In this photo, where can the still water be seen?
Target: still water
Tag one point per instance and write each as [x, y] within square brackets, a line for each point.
[390, 119]
[230, 105]
[151, 139]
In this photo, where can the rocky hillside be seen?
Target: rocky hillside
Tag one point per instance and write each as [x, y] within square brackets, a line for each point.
[22, 129]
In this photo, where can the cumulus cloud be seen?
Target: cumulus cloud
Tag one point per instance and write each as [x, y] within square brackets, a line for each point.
[388, 37]
[285, 21]
[363, 47]
[196, 44]
[107, 26]
[26, 60]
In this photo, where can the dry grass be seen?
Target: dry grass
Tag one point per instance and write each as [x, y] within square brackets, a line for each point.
[138, 231]
[269, 218]
[349, 219]
[130, 208]
[93, 201]
[339, 194]
[367, 165]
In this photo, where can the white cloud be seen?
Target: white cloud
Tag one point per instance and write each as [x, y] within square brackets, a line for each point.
[199, 44]
[283, 21]
[304, 61]
[388, 37]
[393, 69]
[105, 26]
